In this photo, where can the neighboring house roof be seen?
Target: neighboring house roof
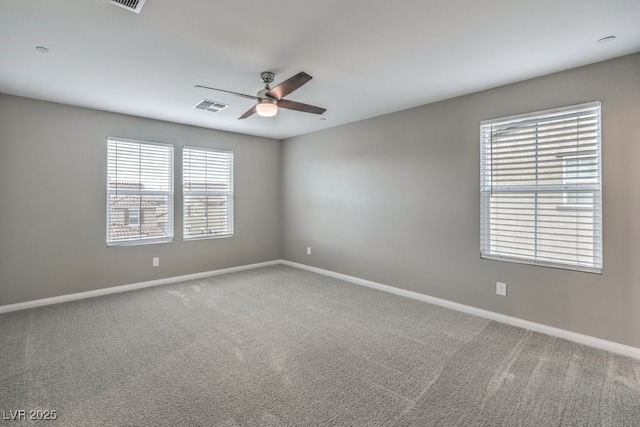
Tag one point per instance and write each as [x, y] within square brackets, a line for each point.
[119, 231]
[132, 202]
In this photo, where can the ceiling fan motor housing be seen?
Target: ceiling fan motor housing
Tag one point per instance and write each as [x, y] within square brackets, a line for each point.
[262, 94]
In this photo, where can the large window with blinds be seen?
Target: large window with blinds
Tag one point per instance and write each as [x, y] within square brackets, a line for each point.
[207, 185]
[541, 188]
[139, 192]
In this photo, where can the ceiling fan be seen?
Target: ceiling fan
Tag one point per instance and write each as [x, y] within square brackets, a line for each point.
[268, 100]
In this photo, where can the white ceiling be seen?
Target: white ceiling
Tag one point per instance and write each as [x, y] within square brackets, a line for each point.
[367, 57]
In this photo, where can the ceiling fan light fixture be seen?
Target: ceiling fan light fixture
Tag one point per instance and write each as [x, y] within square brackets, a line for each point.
[270, 100]
[267, 107]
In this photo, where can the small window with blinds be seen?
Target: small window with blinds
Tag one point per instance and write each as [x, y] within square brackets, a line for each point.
[541, 188]
[139, 192]
[207, 185]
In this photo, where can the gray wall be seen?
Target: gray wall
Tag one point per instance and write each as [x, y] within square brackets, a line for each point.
[53, 201]
[395, 199]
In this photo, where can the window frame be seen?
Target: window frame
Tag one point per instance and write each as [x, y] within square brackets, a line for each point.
[188, 209]
[488, 188]
[114, 190]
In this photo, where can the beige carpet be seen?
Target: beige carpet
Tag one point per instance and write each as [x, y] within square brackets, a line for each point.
[279, 346]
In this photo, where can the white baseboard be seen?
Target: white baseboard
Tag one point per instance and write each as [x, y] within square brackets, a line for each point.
[613, 347]
[131, 287]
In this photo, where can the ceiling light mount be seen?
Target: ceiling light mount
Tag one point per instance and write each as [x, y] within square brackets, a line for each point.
[267, 78]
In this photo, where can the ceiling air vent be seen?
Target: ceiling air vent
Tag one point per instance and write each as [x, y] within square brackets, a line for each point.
[212, 106]
[130, 5]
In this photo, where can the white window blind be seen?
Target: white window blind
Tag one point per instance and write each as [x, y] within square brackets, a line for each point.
[541, 186]
[207, 184]
[139, 192]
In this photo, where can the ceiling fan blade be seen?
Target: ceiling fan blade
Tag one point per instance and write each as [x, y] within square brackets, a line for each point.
[299, 106]
[289, 85]
[250, 112]
[228, 91]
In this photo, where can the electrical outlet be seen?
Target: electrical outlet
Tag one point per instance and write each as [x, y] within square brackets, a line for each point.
[501, 289]
[308, 250]
[156, 261]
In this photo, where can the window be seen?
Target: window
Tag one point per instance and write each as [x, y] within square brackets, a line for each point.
[207, 185]
[139, 192]
[540, 188]
[579, 170]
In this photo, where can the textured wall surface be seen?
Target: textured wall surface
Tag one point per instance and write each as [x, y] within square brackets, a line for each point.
[396, 199]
